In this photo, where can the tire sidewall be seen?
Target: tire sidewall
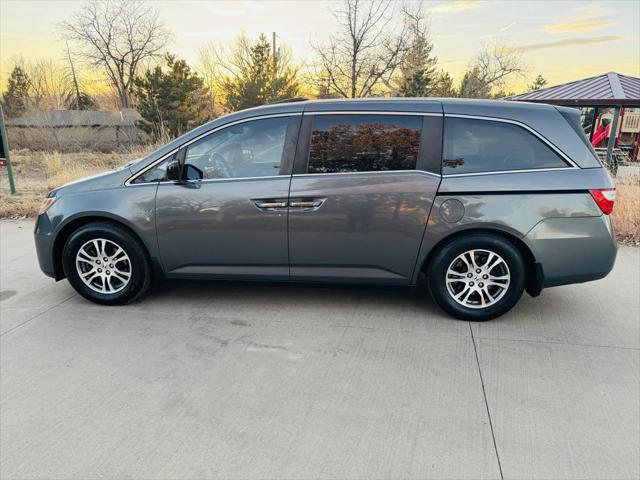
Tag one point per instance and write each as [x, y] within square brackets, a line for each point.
[140, 276]
[436, 276]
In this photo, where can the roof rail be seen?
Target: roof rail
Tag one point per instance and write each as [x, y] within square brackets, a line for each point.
[290, 100]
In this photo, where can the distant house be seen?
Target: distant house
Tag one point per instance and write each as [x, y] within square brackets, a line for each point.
[73, 130]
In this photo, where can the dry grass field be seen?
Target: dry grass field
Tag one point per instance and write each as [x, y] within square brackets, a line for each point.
[626, 212]
[38, 172]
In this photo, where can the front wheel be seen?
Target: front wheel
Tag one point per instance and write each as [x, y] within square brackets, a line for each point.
[106, 264]
[477, 277]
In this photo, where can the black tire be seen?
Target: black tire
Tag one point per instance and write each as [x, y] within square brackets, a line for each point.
[139, 266]
[443, 258]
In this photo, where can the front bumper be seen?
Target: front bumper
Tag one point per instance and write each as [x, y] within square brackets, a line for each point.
[44, 239]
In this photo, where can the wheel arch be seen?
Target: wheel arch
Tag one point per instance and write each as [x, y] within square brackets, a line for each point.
[534, 274]
[73, 224]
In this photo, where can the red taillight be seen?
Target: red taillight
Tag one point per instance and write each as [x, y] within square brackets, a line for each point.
[605, 199]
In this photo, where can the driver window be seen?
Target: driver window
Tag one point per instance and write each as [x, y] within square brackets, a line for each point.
[249, 149]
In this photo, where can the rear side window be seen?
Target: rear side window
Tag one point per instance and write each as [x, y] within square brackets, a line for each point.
[472, 146]
[364, 143]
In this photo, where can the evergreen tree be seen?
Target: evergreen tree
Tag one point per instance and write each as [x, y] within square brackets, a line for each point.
[172, 102]
[82, 101]
[473, 86]
[501, 94]
[416, 85]
[443, 85]
[539, 83]
[257, 77]
[418, 70]
[16, 98]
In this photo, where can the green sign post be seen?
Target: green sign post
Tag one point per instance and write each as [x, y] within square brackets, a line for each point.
[5, 160]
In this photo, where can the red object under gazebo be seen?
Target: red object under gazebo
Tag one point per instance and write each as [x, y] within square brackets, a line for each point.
[608, 103]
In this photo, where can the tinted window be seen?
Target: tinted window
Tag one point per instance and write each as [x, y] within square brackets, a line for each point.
[156, 174]
[364, 143]
[249, 149]
[484, 146]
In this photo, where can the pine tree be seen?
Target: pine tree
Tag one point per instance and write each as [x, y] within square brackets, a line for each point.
[82, 101]
[171, 102]
[539, 83]
[16, 98]
[258, 78]
[443, 85]
[418, 71]
[472, 85]
[417, 84]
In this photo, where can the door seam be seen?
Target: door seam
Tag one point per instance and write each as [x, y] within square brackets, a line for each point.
[293, 163]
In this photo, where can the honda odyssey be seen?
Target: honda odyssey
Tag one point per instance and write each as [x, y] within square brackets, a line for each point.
[487, 199]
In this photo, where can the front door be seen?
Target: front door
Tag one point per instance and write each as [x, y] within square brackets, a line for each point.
[233, 222]
[361, 194]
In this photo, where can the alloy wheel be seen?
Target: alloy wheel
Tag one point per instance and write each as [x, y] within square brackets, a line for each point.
[478, 278]
[103, 266]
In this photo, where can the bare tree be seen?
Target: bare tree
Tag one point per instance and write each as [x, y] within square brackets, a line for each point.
[78, 99]
[117, 36]
[365, 53]
[74, 77]
[49, 84]
[491, 68]
[210, 66]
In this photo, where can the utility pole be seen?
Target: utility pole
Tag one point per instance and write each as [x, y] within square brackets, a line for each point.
[275, 55]
[273, 45]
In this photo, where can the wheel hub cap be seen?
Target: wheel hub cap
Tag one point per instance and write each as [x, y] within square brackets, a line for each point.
[478, 278]
[103, 266]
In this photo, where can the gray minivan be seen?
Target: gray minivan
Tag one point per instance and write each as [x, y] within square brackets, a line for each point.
[487, 198]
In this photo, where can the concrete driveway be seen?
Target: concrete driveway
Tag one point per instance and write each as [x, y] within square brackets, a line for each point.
[214, 380]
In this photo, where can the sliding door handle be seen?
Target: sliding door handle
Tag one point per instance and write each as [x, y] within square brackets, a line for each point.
[307, 205]
[270, 205]
[313, 204]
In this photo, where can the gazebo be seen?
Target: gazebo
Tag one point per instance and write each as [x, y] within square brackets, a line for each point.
[608, 103]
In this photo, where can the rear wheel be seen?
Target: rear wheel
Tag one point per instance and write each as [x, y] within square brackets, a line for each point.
[106, 264]
[477, 277]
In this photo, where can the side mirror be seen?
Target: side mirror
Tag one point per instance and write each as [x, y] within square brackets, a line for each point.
[192, 173]
[173, 170]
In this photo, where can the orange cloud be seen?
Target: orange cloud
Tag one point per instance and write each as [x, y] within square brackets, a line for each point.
[583, 25]
[568, 42]
[456, 6]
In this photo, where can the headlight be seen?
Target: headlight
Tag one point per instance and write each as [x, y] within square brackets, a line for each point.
[46, 203]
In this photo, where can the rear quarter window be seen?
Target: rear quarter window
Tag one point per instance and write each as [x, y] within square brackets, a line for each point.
[474, 146]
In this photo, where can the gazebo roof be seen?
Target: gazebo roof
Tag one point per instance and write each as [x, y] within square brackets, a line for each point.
[609, 89]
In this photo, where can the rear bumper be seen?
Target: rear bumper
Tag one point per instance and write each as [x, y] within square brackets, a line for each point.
[44, 238]
[573, 250]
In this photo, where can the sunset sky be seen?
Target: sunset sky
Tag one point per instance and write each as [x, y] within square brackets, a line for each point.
[562, 40]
